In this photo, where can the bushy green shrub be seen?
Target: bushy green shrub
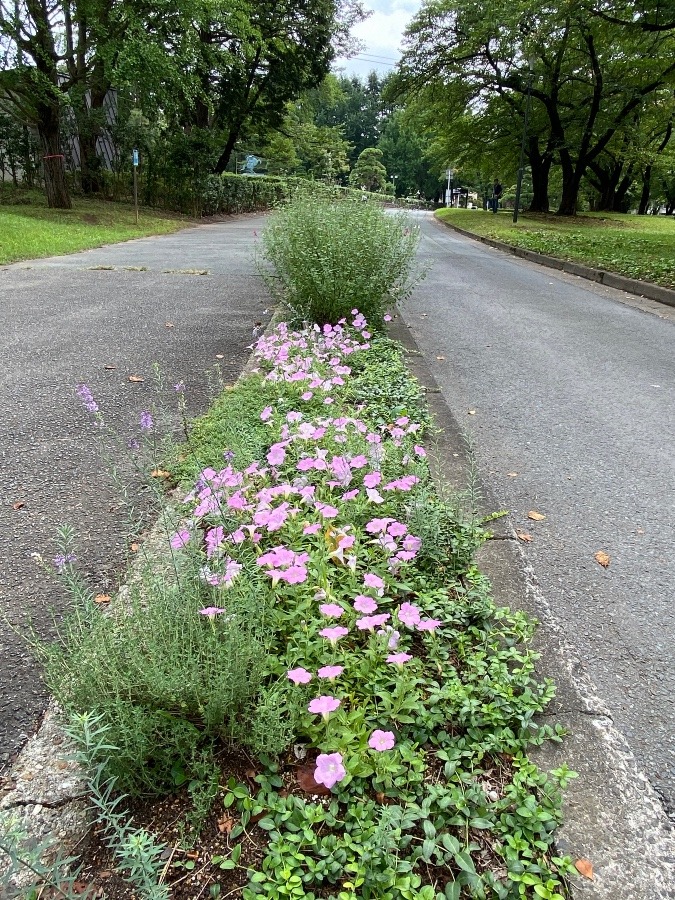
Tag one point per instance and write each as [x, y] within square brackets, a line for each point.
[328, 257]
[165, 680]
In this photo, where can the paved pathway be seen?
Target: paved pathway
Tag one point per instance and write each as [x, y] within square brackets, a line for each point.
[61, 323]
[574, 390]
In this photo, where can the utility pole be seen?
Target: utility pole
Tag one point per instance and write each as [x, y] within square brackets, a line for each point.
[135, 161]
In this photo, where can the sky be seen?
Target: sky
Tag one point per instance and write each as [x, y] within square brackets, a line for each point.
[381, 35]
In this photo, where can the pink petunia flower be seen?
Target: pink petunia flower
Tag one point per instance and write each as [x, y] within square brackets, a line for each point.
[332, 610]
[428, 625]
[312, 529]
[299, 675]
[330, 672]
[393, 636]
[266, 414]
[420, 451]
[329, 769]
[324, 705]
[398, 659]
[381, 740]
[373, 581]
[372, 479]
[364, 604]
[409, 614]
[334, 634]
[211, 611]
[180, 539]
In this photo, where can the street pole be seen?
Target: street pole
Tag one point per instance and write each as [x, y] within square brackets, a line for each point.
[448, 191]
[521, 167]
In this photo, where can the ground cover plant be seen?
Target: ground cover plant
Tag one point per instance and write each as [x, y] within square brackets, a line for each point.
[30, 230]
[640, 247]
[327, 255]
[321, 671]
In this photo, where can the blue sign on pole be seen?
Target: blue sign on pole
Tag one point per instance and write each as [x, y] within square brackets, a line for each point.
[135, 157]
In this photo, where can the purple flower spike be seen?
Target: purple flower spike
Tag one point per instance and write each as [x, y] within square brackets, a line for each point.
[85, 395]
[299, 675]
[381, 740]
[329, 769]
[324, 705]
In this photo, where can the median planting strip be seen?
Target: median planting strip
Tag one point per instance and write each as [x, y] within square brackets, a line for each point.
[320, 675]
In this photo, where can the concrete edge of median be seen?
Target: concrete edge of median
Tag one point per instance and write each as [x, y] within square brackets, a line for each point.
[612, 815]
[609, 279]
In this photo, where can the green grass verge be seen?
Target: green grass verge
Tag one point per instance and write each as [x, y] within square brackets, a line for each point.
[635, 246]
[29, 229]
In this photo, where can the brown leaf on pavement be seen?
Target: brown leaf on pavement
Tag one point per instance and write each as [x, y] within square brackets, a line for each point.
[102, 598]
[134, 547]
[524, 536]
[472, 412]
[535, 516]
[19, 504]
[168, 324]
[584, 867]
[136, 378]
[160, 473]
[511, 474]
[603, 558]
[110, 367]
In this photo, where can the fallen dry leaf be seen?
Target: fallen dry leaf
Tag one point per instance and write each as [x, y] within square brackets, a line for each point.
[110, 367]
[220, 356]
[584, 867]
[602, 558]
[136, 378]
[472, 412]
[524, 536]
[640, 531]
[159, 473]
[102, 598]
[134, 548]
[306, 782]
[19, 504]
[511, 474]
[535, 516]
[440, 357]
[168, 324]
[226, 824]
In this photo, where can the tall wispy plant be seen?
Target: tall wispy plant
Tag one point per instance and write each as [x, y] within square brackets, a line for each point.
[325, 257]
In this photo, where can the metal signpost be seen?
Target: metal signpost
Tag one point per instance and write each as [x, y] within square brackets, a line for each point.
[135, 161]
[449, 191]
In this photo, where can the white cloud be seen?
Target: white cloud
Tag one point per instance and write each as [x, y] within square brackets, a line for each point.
[381, 34]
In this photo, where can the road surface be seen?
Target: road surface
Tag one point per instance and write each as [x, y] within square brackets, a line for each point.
[63, 322]
[568, 389]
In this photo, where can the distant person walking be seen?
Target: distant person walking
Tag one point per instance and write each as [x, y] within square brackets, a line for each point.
[497, 191]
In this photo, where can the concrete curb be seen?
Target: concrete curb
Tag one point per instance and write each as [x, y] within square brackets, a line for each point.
[609, 279]
[612, 815]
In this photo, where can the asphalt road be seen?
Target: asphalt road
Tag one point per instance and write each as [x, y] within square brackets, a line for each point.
[63, 322]
[572, 387]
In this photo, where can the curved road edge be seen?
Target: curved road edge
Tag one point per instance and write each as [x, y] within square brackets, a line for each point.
[609, 279]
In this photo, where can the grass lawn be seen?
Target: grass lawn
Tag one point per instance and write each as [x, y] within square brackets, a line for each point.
[29, 229]
[636, 246]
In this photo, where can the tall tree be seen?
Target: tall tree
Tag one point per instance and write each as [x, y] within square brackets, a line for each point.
[589, 77]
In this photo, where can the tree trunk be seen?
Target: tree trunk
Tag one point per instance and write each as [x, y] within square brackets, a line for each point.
[646, 191]
[570, 196]
[224, 158]
[89, 131]
[53, 160]
[540, 166]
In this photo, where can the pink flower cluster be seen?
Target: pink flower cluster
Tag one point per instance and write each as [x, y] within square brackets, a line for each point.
[283, 564]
